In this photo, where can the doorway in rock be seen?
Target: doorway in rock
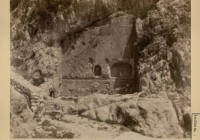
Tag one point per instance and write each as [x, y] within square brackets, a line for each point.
[121, 70]
[97, 70]
[52, 94]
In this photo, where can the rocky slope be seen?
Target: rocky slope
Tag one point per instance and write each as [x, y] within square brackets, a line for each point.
[157, 115]
[161, 44]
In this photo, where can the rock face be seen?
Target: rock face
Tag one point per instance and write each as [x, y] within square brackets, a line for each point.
[49, 26]
[123, 62]
[33, 94]
[164, 46]
[161, 114]
[21, 117]
[98, 46]
[69, 15]
[151, 115]
[97, 54]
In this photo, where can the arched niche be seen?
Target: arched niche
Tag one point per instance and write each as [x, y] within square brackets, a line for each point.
[97, 70]
[121, 69]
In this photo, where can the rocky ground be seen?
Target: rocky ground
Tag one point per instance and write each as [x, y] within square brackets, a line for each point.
[160, 108]
[162, 114]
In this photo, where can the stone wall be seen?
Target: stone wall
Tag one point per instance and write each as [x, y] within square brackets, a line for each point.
[98, 44]
[103, 45]
[83, 87]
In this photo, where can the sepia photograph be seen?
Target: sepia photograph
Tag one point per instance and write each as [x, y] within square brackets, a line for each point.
[100, 69]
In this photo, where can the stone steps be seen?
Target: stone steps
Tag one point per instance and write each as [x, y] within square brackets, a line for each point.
[24, 87]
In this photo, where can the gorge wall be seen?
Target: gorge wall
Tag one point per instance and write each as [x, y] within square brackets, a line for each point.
[92, 52]
[48, 34]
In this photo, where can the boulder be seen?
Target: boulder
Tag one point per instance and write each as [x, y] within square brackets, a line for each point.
[149, 115]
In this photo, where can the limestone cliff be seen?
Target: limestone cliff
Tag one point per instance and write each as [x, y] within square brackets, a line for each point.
[164, 47]
[38, 28]
[60, 44]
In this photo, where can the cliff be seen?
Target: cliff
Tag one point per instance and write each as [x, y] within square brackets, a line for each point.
[59, 43]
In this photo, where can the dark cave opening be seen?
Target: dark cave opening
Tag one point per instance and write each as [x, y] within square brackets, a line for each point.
[97, 70]
[121, 70]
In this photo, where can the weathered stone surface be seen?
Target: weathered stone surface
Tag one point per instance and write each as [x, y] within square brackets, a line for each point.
[21, 117]
[99, 47]
[152, 37]
[22, 86]
[44, 31]
[97, 100]
[152, 116]
[164, 46]
[83, 87]
[99, 43]
[149, 114]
